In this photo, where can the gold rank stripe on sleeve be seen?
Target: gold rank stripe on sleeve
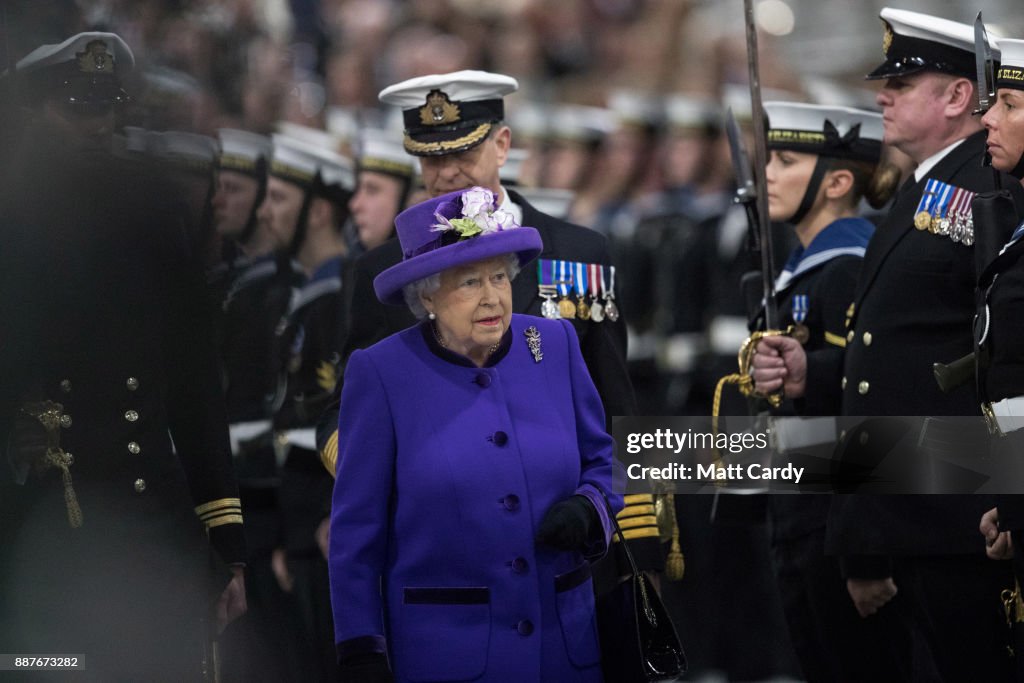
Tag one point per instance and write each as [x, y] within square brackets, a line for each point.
[219, 512]
[223, 519]
[835, 339]
[638, 522]
[329, 454]
[637, 518]
[636, 510]
[641, 532]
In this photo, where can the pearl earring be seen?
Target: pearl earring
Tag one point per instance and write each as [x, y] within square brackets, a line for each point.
[432, 316]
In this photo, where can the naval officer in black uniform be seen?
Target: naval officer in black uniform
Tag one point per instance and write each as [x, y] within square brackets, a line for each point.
[912, 563]
[116, 471]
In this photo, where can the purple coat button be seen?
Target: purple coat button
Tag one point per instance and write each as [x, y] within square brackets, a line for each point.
[483, 380]
[520, 566]
[500, 438]
[525, 627]
[511, 502]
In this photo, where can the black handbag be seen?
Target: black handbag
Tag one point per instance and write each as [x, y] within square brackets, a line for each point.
[639, 644]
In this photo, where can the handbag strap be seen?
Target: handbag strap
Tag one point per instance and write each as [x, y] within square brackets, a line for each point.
[649, 612]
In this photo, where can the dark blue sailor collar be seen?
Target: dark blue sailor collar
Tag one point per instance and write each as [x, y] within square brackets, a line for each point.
[329, 269]
[843, 237]
[427, 330]
[326, 280]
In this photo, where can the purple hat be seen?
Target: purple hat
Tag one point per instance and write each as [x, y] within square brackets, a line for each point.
[452, 230]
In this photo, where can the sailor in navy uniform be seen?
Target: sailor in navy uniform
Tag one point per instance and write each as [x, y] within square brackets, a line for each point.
[913, 306]
[823, 160]
[117, 474]
[239, 188]
[998, 353]
[307, 207]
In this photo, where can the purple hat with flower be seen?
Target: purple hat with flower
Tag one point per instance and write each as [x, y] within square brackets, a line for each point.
[452, 230]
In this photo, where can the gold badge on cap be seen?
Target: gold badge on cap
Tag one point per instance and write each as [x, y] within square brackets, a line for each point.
[438, 110]
[95, 58]
[887, 38]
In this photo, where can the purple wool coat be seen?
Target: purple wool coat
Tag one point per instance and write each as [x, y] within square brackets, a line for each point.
[444, 474]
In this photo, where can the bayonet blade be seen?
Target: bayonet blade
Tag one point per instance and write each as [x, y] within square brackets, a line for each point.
[985, 66]
[745, 190]
[760, 160]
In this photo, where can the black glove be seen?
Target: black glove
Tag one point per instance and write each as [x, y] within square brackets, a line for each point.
[371, 667]
[567, 524]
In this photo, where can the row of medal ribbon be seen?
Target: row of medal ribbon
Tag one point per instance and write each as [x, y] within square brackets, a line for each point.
[945, 210]
[592, 285]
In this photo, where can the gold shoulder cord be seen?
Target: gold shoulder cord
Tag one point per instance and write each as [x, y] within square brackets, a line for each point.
[668, 528]
[1013, 606]
[743, 380]
[49, 414]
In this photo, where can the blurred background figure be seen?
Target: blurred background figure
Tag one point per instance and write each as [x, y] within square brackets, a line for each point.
[123, 528]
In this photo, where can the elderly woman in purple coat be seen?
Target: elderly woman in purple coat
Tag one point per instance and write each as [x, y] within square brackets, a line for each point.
[473, 470]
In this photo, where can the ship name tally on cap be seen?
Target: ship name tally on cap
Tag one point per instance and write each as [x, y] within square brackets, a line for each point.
[1011, 70]
[380, 152]
[315, 167]
[449, 113]
[241, 150]
[840, 132]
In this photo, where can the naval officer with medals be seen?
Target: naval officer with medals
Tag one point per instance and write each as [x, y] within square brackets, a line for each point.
[913, 564]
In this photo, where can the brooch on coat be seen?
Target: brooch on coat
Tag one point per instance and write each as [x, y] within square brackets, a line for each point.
[533, 341]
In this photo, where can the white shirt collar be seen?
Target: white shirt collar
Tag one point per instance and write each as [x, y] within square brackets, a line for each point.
[928, 164]
[510, 207]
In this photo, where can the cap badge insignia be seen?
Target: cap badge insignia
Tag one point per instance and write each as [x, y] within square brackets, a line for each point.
[887, 39]
[95, 58]
[438, 110]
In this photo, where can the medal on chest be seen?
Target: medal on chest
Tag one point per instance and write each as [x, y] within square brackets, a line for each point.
[547, 289]
[566, 307]
[594, 277]
[800, 307]
[611, 311]
[582, 307]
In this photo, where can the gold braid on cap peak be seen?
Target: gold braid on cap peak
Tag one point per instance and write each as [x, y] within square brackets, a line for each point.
[441, 146]
[886, 38]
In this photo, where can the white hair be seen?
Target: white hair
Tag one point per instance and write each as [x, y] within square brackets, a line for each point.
[431, 283]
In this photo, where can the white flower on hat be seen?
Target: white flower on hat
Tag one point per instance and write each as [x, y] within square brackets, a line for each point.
[477, 201]
[478, 215]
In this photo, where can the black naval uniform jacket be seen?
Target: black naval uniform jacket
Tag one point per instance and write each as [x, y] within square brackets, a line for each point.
[105, 315]
[1002, 373]
[913, 307]
[307, 353]
[252, 310]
